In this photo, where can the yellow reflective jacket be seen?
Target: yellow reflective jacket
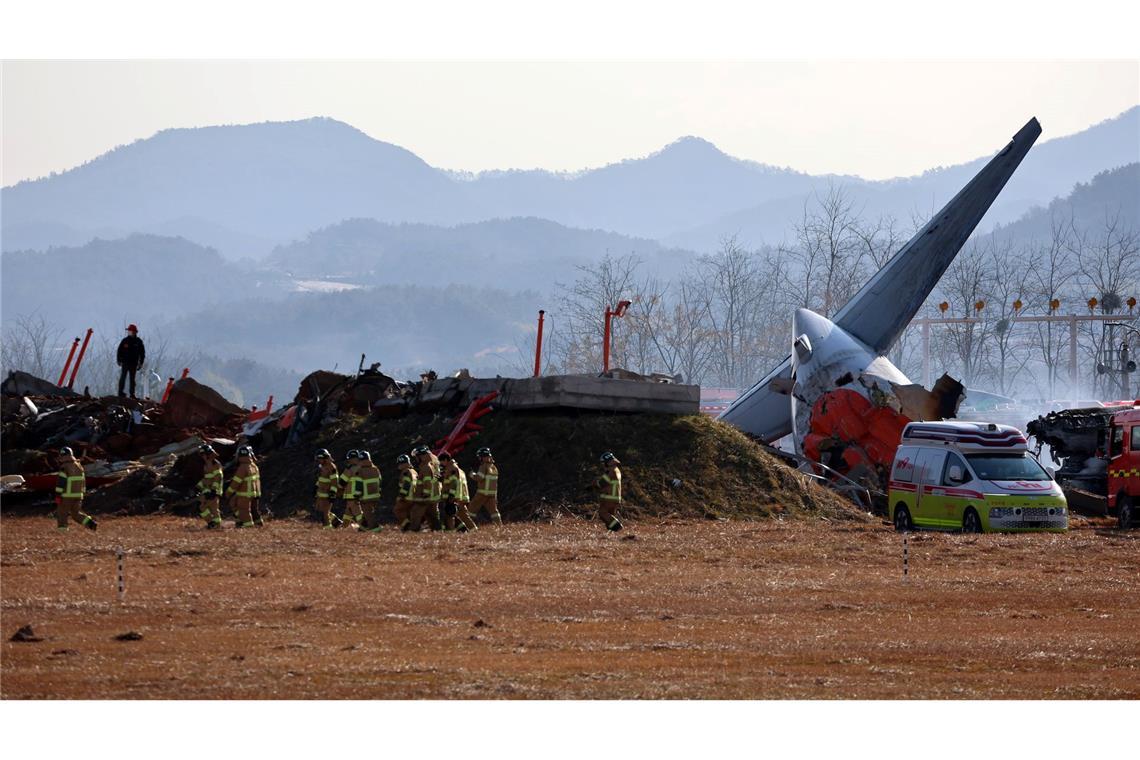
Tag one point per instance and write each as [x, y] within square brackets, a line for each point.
[350, 483]
[242, 483]
[71, 483]
[328, 480]
[408, 479]
[369, 478]
[487, 479]
[211, 482]
[610, 484]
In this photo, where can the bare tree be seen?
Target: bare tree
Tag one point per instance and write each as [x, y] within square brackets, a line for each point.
[967, 344]
[733, 286]
[680, 330]
[34, 345]
[1047, 278]
[1108, 263]
[827, 258]
[576, 342]
[1007, 276]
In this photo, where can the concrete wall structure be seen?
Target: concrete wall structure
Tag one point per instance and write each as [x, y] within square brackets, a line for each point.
[589, 392]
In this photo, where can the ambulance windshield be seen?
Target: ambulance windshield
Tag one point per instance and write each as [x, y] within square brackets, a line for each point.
[1007, 467]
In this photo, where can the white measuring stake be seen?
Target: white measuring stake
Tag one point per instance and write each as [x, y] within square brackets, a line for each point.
[906, 556]
[122, 578]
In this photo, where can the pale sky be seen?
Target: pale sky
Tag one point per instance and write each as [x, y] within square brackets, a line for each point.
[873, 119]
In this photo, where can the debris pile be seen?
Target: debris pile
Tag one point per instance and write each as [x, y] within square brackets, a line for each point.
[129, 448]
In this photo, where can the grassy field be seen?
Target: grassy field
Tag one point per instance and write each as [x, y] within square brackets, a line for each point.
[560, 609]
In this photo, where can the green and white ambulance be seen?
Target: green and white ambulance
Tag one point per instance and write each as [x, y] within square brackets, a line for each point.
[974, 477]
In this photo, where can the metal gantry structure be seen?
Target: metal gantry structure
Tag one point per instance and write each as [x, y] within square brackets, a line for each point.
[1072, 320]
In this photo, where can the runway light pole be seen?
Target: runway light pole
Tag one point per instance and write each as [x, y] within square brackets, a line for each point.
[538, 345]
[610, 314]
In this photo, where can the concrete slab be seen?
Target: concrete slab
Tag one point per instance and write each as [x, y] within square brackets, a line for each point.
[599, 393]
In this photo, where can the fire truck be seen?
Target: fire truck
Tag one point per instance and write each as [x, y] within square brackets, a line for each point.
[1098, 450]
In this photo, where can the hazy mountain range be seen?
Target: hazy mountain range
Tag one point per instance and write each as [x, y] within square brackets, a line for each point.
[245, 189]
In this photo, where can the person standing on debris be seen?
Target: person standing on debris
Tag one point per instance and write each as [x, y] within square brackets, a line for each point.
[130, 357]
[486, 480]
[70, 487]
[255, 502]
[370, 479]
[328, 480]
[210, 487]
[242, 489]
[455, 495]
[609, 486]
[406, 492]
[350, 488]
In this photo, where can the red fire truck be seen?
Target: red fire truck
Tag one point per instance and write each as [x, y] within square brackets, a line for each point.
[1123, 492]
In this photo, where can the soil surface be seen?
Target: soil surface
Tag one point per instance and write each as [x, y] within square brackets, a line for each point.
[561, 609]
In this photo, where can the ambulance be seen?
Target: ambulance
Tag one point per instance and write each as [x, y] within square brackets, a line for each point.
[972, 476]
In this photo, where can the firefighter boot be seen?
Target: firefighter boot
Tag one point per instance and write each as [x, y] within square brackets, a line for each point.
[450, 510]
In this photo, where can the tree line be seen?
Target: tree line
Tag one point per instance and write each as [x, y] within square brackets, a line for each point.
[726, 320]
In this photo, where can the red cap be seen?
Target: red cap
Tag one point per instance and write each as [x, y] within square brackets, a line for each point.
[132, 328]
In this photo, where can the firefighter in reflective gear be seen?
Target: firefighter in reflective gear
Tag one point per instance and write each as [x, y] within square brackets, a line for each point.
[210, 487]
[328, 480]
[255, 502]
[405, 492]
[428, 489]
[71, 485]
[436, 491]
[455, 494]
[350, 490]
[486, 480]
[242, 489]
[370, 479]
[609, 487]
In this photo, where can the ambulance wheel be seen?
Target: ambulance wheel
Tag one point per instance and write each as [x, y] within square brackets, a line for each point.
[903, 523]
[1126, 513]
[971, 523]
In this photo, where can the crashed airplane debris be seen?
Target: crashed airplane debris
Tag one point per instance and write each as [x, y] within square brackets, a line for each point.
[837, 393]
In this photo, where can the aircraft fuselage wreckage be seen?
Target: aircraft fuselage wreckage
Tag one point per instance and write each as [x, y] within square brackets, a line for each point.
[845, 402]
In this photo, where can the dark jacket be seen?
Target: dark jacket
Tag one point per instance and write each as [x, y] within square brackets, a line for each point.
[131, 352]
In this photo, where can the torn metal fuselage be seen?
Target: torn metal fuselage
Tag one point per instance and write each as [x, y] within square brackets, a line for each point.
[1078, 441]
[850, 404]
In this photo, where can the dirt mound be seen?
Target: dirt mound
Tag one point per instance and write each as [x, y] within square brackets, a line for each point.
[688, 466]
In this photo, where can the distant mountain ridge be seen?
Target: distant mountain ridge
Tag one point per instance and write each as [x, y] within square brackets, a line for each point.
[1111, 196]
[1051, 170]
[520, 253]
[244, 189]
[161, 278]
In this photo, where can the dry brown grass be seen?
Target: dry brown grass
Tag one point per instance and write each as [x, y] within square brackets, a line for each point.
[668, 609]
